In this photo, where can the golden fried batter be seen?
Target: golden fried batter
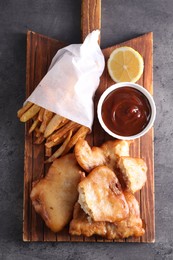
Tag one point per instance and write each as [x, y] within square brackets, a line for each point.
[54, 196]
[133, 171]
[107, 154]
[100, 196]
[81, 225]
[131, 226]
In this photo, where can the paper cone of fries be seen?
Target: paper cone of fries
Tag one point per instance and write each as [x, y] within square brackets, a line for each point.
[71, 81]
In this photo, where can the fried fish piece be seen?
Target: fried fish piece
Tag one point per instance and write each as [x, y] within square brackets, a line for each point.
[82, 225]
[101, 197]
[133, 172]
[131, 226]
[107, 154]
[54, 196]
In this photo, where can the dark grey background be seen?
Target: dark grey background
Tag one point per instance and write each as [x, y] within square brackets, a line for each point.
[121, 20]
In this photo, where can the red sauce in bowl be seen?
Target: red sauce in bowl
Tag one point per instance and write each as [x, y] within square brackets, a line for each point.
[126, 111]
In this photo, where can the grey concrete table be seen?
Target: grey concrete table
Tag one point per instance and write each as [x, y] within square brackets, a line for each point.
[121, 20]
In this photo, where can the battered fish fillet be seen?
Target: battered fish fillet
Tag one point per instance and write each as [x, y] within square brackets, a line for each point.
[101, 197]
[54, 196]
[107, 154]
[131, 226]
[81, 225]
[133, 171]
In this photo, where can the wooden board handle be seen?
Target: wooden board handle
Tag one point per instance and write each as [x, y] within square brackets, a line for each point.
[91, 16]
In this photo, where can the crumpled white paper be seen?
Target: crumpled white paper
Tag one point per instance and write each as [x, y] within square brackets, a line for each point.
[71, 81]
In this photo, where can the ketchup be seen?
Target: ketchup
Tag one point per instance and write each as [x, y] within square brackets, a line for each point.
[126, 111]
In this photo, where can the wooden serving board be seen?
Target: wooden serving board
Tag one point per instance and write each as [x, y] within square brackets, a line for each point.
[40, 51]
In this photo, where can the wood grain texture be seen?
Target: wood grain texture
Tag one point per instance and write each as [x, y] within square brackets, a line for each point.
[91, 16]
[40, 51]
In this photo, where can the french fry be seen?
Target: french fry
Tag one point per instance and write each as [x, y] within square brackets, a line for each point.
[61, 125]
[39, 139]
[48, 152]
[53, 124]
[47, 116]
[31, 112]
[60, 150]
[64, 122]
[22, 110]
[52, 143]
[69, 126]
[50, 140]
[52, 127]
[34, 125]
[81, 133]
[37, 132]
[40, 114]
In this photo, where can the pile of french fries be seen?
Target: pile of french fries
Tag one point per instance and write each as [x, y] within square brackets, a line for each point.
[52, 129]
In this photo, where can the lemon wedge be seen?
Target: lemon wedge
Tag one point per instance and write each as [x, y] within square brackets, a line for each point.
[125, 64]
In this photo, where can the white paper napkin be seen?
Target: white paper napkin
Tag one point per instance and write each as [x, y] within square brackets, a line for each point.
[71, 81]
